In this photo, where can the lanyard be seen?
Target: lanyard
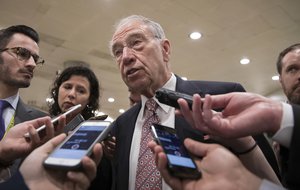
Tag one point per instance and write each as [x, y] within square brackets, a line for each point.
[10, 125]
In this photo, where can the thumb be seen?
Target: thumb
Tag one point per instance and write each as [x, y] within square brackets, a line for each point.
[52, 143]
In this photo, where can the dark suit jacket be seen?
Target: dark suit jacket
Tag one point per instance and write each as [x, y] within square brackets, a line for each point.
[14, 183]
[293, 175]
[24, 113]
[124, 125]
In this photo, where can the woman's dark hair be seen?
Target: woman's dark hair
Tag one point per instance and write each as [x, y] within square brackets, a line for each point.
[93, 103]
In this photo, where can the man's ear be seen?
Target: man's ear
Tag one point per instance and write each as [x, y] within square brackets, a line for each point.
[280, 80]
[166, 49]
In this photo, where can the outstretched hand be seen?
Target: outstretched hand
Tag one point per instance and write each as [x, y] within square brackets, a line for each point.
[243, 114]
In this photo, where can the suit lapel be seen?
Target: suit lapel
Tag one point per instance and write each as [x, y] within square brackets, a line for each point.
[21, 112]
[183, 129]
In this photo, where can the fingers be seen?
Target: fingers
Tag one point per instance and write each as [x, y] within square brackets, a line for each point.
[36, 123]
[161, 162]
[207, 112]
[173, 182]
[197, 112]
[49, 131]
[185, 111]
[197, 148]
[97, 153]
[61, 124]
[152, 145]
[77, 180]
[52, 143]
[109, 147]
[156, 149]
[34, 136]
[82, 180]
[221, 101]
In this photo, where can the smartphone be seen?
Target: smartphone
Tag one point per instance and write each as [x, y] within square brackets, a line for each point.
[170, 97]
[68, 155]
[41, 129]
[180, 164]
[71, 125]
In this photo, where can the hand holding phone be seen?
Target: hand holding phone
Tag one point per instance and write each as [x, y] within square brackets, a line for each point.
[69, 153]
[170, 97]
[55, 120]
[180, 164]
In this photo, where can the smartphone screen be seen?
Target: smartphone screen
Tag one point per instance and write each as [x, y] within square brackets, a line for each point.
[77, 145]
[180, 163]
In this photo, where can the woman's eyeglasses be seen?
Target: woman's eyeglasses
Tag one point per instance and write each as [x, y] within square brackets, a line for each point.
[25, 54]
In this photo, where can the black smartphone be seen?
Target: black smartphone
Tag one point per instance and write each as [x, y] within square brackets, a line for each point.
[68, 155]
[170, 97]
[180, 163]
[41, 129]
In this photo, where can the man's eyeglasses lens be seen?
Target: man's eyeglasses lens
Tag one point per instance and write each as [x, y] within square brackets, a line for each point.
[25, 54]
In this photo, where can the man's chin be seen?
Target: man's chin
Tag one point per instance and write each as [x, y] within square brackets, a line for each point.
[21, 84]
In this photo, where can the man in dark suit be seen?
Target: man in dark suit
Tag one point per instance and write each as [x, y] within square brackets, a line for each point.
[288, 67]
[19, 55]
[242, 114]
[293, 175]
[142, 53]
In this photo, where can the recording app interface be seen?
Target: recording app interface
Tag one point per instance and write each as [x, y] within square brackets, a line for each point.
[175, 151]
[81, 140]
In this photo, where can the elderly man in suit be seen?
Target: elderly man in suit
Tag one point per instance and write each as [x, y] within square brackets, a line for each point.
[142, 53]
[19, 55]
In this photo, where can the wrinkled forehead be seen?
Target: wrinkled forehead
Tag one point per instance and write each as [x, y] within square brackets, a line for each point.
[291, 58]
[130, 28]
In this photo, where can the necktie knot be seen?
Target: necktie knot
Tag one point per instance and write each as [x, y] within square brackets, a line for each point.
[3, 104]
[151, 105]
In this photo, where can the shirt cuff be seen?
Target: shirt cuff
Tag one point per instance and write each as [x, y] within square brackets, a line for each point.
[267, 185]
[284, 135]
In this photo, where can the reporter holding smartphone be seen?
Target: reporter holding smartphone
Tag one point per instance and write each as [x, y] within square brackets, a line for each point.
[219, 167]
[37, 177]
[15, 145]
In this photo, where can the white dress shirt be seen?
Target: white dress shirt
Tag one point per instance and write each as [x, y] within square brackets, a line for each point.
[283, 136]
[166, 116]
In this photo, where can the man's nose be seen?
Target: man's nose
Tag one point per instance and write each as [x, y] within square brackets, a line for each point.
[30, 63]
[128, 55]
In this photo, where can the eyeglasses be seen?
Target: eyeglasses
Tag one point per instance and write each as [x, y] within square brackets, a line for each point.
[25, 54]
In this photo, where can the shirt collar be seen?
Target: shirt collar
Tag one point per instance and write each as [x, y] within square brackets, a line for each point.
[13, 100]
[171, 85]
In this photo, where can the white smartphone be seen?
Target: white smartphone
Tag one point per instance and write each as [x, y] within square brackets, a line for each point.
[79, 143]
[55, 119]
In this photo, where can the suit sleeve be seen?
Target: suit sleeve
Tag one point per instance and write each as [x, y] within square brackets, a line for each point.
[293, 176]
[16, 182]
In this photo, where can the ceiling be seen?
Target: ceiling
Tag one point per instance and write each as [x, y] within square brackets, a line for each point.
[232, 29]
